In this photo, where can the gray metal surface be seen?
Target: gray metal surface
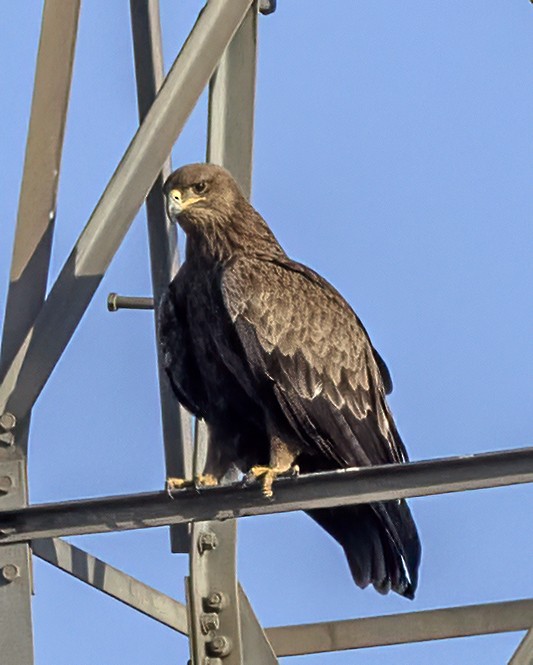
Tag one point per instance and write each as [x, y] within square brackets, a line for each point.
[131, 182]
[112, 582]
[27, 288]
[439, 624]
[163, 242]
[524, 654]
[213, 597]
[231, 105]
[230, 144]
[37, 204]
[255, 645]
[321, 490]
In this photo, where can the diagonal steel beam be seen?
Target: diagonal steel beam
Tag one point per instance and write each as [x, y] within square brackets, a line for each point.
[319, 490]
[113, 582]
[403, 628]
[125, 588]
[27, 288]
[524, 654]
[37, 204]
[163, 242]
[107, 226]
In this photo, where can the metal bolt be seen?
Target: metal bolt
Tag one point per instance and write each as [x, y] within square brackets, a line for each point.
[209, 622]
[6, 483]
[207, 541]
[219, 646]
[10, 572]
[215, 602]
[7, 421]
[269, 6]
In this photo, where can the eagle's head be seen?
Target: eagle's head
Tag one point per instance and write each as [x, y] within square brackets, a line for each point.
[200, 195]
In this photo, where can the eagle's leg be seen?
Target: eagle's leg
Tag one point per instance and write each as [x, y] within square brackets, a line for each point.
[201, 480]
[282, 457]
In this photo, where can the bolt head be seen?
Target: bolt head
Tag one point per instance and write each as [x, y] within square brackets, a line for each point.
[209, 621]
[6, 483]
[7, 421]
[10, 572]
[219, 646]
[215, 602]
[207, 541]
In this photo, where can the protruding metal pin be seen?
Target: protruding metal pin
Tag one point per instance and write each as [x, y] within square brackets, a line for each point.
[116, 302]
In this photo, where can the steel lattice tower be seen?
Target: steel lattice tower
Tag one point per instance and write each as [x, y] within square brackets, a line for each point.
[217, 618]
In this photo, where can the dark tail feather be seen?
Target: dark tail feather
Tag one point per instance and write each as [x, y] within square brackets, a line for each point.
[380, 541]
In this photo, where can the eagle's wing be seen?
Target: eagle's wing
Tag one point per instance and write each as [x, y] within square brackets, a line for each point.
[303, 341]
[177, 350]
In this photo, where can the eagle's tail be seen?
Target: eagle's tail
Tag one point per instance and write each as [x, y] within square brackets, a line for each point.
[380, 541]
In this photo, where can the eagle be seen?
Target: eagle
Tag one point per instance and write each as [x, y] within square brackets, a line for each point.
[278, 365]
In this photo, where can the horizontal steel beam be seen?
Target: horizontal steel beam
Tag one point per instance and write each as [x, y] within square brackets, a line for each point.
[442, 624]
[83, 271]
[320, 490]
[113, 582]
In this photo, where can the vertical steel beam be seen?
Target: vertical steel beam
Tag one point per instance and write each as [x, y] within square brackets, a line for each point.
[28, 279]
[162, 237]
[216, 624]
[73, 290]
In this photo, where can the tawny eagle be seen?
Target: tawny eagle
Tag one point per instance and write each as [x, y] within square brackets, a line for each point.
[279, 366]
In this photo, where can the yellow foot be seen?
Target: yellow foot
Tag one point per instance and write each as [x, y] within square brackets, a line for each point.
[207, 480]
[177, 484]
[269, 475]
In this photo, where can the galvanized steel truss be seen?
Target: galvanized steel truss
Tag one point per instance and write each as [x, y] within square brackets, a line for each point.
[218, 618]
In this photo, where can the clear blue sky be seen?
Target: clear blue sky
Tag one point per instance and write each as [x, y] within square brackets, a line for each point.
[393, 155]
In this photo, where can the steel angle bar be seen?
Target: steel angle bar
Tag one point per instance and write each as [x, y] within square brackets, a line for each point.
[212, 593]
[231, 105]
[524, 654]
[214, 602]
[256, 647]
[113, 582]
[319, 490]
[37, 205]
[403, 628]
[107, 226]
[27, 288]
[163, 242]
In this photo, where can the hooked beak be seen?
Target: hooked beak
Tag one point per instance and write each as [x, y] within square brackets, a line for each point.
[174, 204]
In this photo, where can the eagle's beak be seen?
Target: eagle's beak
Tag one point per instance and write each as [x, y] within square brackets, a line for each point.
[174, 204]
[177, 203]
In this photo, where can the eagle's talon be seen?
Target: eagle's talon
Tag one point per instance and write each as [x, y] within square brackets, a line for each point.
[268, 475]
[205, 480]
[173, 484]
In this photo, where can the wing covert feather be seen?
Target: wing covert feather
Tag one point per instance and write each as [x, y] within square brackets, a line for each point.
[301, 335]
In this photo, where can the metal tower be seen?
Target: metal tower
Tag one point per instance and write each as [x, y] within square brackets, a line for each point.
[217, 618]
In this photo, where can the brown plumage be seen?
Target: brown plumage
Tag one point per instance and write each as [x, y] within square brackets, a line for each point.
[281, 369]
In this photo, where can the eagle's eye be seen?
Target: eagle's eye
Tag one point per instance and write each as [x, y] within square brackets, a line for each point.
[199, 187]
